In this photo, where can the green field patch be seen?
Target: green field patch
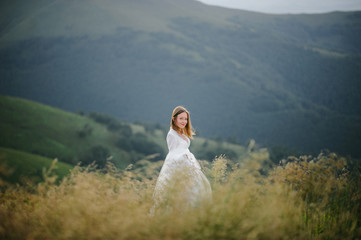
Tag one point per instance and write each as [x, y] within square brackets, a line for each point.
[43, 130]
[26, 166]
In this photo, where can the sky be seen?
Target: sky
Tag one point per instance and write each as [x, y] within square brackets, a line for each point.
[289, 6]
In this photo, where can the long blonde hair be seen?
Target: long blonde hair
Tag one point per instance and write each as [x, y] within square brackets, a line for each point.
[187, 130]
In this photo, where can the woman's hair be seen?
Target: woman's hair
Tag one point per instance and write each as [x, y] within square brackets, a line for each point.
[188, 131]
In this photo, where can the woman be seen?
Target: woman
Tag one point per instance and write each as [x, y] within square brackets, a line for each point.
[181, 181]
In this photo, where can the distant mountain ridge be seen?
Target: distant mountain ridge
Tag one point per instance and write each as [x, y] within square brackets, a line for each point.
[281, 79]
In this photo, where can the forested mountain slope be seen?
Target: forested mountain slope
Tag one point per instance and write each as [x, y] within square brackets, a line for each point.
[292, 80]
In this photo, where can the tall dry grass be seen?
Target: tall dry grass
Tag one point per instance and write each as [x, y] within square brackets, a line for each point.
[304, 198]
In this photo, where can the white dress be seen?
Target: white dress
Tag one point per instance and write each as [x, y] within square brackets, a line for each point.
[181, 175]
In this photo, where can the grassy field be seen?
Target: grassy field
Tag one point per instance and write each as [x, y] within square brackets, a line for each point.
[305, 198]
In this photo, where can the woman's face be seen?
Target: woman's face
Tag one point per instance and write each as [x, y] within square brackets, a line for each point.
[181, 120]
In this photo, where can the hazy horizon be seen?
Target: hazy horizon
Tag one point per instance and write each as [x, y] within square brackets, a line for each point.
[287, 6]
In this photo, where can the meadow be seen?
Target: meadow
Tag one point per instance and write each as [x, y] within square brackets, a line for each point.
[301, 198]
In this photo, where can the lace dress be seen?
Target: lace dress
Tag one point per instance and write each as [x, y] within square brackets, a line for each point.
[181, 176]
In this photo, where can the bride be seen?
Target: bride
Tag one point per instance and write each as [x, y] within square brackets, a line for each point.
[181, 181]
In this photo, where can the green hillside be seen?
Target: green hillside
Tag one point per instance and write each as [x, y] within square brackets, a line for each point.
[51, 132]
[291, 80]
[22, 166]
[37, 133]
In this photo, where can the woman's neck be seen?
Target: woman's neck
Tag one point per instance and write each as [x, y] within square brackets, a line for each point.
[179, 131]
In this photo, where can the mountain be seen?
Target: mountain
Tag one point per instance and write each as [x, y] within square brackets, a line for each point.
[290, 80]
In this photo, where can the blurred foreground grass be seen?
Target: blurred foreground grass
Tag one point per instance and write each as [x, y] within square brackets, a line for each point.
[304, 198]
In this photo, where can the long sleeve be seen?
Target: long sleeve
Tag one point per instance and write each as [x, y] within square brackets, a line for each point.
[172, 142]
